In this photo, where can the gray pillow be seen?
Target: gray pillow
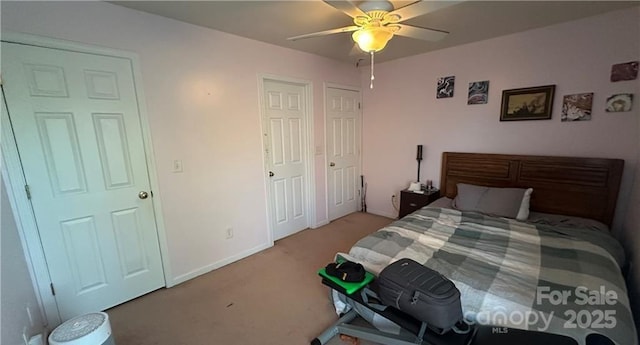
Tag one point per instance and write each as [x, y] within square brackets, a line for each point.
[501, 202]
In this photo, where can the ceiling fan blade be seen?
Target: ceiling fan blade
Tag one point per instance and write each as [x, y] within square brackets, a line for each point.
[326, 32]
[420, 33]
[421, 8]
[347, 7]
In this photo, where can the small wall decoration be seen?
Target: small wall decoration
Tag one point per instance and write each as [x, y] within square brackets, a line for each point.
[445, 87]
[577, 107]
[624, 71]
[478, 92]
[619, 103]
[531, 103]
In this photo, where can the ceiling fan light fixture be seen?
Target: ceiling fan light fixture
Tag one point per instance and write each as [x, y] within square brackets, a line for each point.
[373, 38]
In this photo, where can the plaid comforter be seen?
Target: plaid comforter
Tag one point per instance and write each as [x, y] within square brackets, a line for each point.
[515, 274]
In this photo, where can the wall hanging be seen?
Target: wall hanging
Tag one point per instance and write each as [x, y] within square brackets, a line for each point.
[619, 103]
[531, 103]
[577, 107]
[445, 87]
[624, 71]
[478, 92]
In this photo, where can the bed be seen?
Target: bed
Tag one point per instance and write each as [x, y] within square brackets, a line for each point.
[558, 271]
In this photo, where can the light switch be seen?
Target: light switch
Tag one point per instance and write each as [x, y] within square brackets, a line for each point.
[177, 166]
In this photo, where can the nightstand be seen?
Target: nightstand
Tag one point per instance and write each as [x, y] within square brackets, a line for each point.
[411, 201]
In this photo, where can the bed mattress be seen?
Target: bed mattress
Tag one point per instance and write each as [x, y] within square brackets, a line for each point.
[534, 276]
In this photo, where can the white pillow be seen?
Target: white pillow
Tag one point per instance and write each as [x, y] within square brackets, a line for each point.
[523, 212]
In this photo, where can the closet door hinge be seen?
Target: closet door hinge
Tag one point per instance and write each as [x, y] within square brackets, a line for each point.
[28, 191]
[358, 105]
[53, 291]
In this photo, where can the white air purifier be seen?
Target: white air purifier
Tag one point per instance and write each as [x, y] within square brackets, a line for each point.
[89, 329]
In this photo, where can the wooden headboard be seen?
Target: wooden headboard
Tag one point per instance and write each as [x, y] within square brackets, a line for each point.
[574, 186]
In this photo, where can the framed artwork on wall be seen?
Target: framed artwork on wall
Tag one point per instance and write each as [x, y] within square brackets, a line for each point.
[445, 87]
[577, 107]
[619, 102]
[478, 92]
[624, 71]
[531, 103]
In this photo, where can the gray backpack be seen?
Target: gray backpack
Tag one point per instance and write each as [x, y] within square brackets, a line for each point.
[420, 292]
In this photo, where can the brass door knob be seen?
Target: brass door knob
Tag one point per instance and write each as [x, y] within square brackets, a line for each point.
[143, 195]
[332, 164]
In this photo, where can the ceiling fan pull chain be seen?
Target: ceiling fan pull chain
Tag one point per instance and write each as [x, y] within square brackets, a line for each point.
[372, 77]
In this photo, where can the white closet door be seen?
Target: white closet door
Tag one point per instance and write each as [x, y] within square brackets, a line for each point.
[77, 127]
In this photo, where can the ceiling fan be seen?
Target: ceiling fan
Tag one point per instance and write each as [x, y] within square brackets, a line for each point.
[376, 22]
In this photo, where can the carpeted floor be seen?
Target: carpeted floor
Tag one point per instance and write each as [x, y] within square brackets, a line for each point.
[270, 298]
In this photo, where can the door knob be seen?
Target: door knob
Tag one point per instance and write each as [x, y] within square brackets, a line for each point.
[332, 164]
[143, 195]
[271, 174]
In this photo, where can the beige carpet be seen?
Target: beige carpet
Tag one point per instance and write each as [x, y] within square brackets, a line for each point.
[270, 298]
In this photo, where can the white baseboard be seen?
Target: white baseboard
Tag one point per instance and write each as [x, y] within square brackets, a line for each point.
[37, 339]
[383, 213]
[320, 223]
[208, 268]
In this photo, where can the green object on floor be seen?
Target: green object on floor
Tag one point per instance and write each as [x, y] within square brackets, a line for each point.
[347, 286]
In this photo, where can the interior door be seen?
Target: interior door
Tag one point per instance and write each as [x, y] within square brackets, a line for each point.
[77, 127]
[285, 110]
[343, 151]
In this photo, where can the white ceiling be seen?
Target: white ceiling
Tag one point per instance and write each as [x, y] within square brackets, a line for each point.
[467, 21]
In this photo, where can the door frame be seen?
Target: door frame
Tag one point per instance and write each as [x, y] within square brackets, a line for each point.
[310, 188]
[327, 86]
[15, 179]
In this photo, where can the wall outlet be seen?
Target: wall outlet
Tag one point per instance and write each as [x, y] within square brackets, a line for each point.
[177, 166]
[229, 233]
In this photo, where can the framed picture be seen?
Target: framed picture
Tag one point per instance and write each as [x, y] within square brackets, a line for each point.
[531, 103]
[478, 92]
[445, 87]
[577, 107]
[619, 102]
[624, 71]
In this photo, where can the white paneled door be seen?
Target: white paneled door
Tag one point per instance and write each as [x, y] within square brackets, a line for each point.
[286, 155]
[77, 126]
[343, 151]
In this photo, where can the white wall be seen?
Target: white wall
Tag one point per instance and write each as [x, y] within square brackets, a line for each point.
[402, 111]
[202, 96]
[16, 289]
